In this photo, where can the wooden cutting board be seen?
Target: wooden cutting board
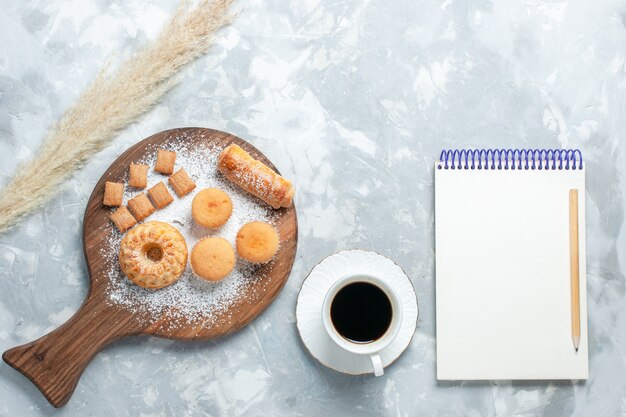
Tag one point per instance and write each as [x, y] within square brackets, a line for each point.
[55, 362]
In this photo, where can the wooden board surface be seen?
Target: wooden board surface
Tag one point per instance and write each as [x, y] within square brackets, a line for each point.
[55, 362]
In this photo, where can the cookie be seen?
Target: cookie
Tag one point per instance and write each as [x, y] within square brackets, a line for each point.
[160, 196]
[257, 242]
[182, 183]
[123, 219]
[138, 176]
[211, 207]
[113, 194]
[165, 162]
[140, 206]
[213, 258]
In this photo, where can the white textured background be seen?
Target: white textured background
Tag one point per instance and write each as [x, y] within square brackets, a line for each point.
[353, 99]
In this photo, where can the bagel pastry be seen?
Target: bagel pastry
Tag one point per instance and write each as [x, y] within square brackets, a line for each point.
[211, 207]
[212, 258]
[255, 177]
[153, 254]
[257, 242]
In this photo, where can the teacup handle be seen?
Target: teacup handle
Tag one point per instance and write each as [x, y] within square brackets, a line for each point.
[377, 364]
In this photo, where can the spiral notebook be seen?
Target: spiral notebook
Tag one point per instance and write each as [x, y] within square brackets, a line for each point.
[503, 287]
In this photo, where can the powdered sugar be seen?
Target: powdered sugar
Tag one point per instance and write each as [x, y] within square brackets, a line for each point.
[193, 298]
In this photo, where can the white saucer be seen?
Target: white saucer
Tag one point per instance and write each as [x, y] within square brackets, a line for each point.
[311, 298]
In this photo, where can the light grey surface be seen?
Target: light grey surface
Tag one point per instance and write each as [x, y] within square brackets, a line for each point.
[353, 100]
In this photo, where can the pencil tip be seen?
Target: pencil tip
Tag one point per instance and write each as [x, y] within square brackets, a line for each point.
[576, 349]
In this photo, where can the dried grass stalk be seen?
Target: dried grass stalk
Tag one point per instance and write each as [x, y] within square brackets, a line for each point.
[109, 104]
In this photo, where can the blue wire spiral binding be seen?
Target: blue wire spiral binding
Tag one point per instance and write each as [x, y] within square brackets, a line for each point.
[520, 159]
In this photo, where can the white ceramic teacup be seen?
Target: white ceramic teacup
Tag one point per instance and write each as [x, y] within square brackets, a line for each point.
[372, 349]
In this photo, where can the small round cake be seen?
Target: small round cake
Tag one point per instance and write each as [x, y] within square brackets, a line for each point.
[257, 242]
[212, 258]
[153, 254]
[211, 207]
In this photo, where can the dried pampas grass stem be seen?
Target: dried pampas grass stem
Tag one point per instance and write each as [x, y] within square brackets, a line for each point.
[109, 104]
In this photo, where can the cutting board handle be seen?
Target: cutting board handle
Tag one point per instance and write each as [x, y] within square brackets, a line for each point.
[55, 362]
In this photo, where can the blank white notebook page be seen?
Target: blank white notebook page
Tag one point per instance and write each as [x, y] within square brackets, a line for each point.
[503, 289]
